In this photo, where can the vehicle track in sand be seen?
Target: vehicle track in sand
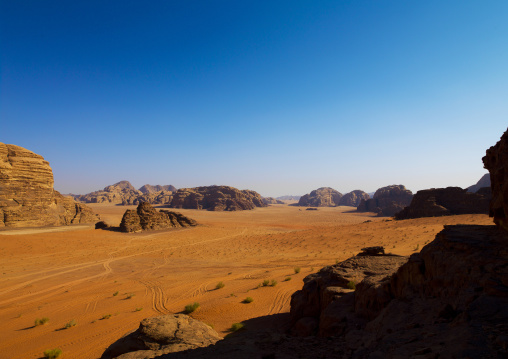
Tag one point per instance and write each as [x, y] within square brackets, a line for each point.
[282, 298]
[159, 297]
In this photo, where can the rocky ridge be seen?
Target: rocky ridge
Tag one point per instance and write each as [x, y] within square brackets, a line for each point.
[482, 183]
[271, 200]
[27, 197]
[122, 192]
[387, 201]
[146, 189]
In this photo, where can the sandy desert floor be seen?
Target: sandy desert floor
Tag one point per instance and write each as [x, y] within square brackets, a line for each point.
[108, 281]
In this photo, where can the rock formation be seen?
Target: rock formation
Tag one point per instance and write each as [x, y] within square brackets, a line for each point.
[119, 193]
[353, 198]
[27, 197]
[145, 218]
[443, 202]
[387, 201]
[321, 197]
[496, 161]
[483, 182]
[271, 200]
[162, 335]
[289, 198]
[146, 189]
[161, 197]
[216, 198]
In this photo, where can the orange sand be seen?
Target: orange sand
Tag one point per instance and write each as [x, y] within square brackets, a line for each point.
[73, 274]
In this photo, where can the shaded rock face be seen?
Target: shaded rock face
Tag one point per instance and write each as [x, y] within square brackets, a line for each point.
[118, 193]
[146, 189]
[443, 202]
[353, 198]
[496, 161]
[387, 201]
[483, 182]
[271, 200]
[162, 335]
[146, 218]
[216, 198]
[450, 300]
[27, 197]
[321, 197]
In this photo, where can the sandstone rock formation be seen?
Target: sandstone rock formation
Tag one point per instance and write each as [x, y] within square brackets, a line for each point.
[162, 335]
[289, 198]
[216, 198]
[27, 197]
[483, 182]
[271, 200]
[146, 189]
[161, 197]
[353, 198]
[443, 202]
[387, 201]
[122, 192]
[496, 161]
[145, 218]
[321, 197]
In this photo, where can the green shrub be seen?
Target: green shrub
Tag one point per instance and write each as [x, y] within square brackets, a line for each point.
[130, 295]
[139, 309]
[273, 283]
[248, 300]
[351, 285]
[297, 270]
[106, 316]
[220, 285]
[115, 294]
[52, 353]
[41, 321]
[287, 279]
[266, 282]
[189, 308]
[70, 324]
[236, 326]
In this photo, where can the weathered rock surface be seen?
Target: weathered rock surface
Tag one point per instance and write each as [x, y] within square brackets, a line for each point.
[271, 200]
[483, 182]
[353, 198]
[496, 161]
[162, 335]
[387, 201]
[146, 189]
[443, 202]
[321, 197]
[27, 197]
[161, 197]
[216, 198]
[122, 192]
[146, 218]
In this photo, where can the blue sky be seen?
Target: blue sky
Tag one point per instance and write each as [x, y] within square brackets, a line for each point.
[279, 97]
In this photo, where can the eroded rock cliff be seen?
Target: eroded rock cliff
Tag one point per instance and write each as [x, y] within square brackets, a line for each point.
[321, 197]
[353, 198]
[387, 201]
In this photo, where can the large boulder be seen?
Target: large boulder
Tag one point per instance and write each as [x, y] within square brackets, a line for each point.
[321, 197]
[146, 218]
[353, 198]
[443, 202]
[162, 335]
[387, 201]
[27, 197]
[496, 161]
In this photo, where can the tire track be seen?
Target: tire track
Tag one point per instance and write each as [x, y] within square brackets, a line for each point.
[279, 302]
[159, 298]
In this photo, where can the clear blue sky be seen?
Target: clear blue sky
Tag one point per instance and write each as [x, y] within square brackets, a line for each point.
[281, 97]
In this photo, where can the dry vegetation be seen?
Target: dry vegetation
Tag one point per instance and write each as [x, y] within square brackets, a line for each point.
[80, 273]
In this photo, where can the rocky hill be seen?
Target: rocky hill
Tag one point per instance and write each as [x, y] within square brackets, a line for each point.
[146, 218]
[146, 189]
[271, 200]
[444, 202]
[321, 197]
[353, 198]
[387, 201]
[122, 192]
[288, 198]
[27, 197]
[482, 183]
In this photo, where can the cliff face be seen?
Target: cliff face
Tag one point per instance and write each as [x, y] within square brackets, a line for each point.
[321, 197]
[387, 201]
[353, 198]
[27, 197]
[122, 192]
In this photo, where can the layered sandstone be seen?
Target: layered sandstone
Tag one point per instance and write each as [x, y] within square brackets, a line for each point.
[122, 192]
[321, 197]
[444, 202]
[27, 197]
[387, 201]
[353, 198]
[146, 218]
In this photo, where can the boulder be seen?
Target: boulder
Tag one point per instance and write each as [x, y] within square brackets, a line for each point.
[321, 197]
[496, 161]
[27, 197]
[162, 335]
[443, 202]
[353, 198]
[146, 218]
[387, 201]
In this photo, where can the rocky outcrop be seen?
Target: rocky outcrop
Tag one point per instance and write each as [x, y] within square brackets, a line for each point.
[216, 198]
[146, 189]
[27, 197]
[271, 200]
[387, 201]
[496, 161]
[289, 198]
[122, 192]
[321, 197]
[483, 182]
[146, 218]
[443, 202]
[162, 335]
[161, 197]
[353, 198]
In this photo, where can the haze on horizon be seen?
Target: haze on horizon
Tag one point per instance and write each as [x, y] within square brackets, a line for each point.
[280, 98]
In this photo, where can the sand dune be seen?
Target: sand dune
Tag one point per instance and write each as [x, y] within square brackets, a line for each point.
[65, 275]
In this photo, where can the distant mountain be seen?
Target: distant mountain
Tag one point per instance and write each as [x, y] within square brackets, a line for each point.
[387, 201]
[146, 189]
[483, 182]
[117, 193]
[271, 200]
[321, 197]
[289, 198]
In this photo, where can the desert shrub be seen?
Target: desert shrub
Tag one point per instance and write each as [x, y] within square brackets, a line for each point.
[266, 282]
[273, 283]
[130, 295]
[297, 270]
[115, 294]
[248, 300]
[220, 285]
[139, 309]
[351, 285]
[236, 326]
[106, 316]
[287, 279]
[70, 324]
[189, 308]
[52, 353]
[41, 321]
